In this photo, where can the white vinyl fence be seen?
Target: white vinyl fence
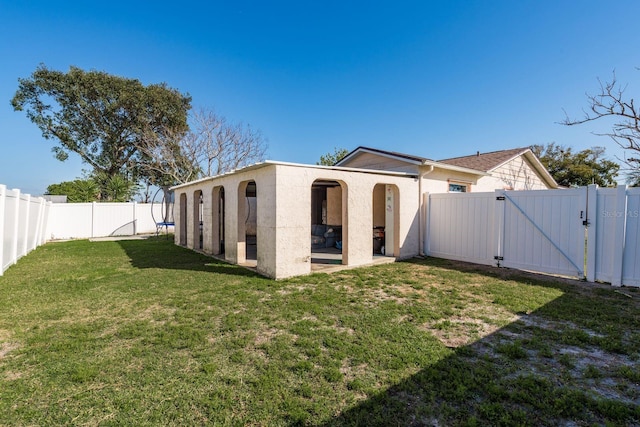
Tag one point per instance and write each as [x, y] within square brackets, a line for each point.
[615, 229]
[87, 220]
[587, 232]
[23, 223]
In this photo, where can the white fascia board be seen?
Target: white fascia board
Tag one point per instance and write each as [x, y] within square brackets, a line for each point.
[298, 165]
[455, 168]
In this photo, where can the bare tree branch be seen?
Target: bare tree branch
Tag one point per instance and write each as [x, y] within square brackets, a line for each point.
[610, 102]
[213, 146]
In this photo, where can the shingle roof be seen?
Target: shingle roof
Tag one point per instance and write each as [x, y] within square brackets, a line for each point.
[390, 153]
[484, 161]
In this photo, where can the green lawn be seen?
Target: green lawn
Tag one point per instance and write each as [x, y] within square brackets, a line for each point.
[148, 333]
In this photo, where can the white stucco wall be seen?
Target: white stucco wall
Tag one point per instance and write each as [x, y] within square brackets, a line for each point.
[283, 215]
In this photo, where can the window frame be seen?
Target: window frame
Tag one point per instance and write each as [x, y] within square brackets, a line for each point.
[465, 184]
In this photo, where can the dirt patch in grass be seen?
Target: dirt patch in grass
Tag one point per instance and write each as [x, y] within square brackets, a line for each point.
[264, 336]
[458, 331]
[6, 343]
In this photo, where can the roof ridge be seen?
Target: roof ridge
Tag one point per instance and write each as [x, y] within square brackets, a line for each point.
[393, 153]
[488, 152]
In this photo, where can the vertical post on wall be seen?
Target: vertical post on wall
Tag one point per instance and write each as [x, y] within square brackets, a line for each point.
[389, 221]
[498, 226]
[3, 195]
[591, 222]
[619, 235]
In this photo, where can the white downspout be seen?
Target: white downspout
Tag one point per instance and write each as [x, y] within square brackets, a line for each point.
[421, 175]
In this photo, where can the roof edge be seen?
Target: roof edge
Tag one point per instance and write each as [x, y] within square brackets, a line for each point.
[299, 165]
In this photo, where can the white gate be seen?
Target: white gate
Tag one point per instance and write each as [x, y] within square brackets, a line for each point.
[586, 232]
[537, 230]
[544, 230]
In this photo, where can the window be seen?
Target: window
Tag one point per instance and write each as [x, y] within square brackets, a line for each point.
[456, 187]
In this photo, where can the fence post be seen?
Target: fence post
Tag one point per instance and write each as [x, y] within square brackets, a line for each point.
[36, 236]
[619, 236]
[498, 225]
[93, 217]
[3, 195]
[45, 222]
[25, 241]
[135, 220]
[592, 224]
[16, 228]
[425, 231]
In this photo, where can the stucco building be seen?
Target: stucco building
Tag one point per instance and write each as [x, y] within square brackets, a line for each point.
[282, 217]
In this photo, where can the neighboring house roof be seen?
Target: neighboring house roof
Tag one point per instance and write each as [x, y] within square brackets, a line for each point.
[481, 164]
[485, 161]
[407, 158]
[490, 161]
[392, 154]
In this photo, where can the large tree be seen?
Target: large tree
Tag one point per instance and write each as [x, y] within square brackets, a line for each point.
[611, 103]
[103, 118]
[577, 169]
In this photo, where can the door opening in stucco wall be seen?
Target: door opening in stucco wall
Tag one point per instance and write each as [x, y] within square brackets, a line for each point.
[217, 220]
[247, 223]
[327, 222]
[197, 220]
[183, 220]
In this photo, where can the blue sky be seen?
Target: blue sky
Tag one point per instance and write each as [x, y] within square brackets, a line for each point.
[433, 78]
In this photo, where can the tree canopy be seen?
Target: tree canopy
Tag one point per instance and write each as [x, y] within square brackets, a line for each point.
[330, 159]
[107, 120]
[577, 169]
[77, 191]
[98, 188]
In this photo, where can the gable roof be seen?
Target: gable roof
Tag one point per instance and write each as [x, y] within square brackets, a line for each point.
[392, 154]
[485, 161]
[490, 161]
[481, 164]
[407, 158]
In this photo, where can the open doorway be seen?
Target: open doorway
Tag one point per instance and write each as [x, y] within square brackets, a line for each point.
[386, 220]
[328, 224]
[248, 223]
[217, 220]
[183, 220]
[197, 220]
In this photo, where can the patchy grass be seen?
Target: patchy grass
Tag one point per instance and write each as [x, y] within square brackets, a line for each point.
[147, 333]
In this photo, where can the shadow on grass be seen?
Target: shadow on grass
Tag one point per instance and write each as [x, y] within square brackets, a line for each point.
[158, 252]
[538, 370]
